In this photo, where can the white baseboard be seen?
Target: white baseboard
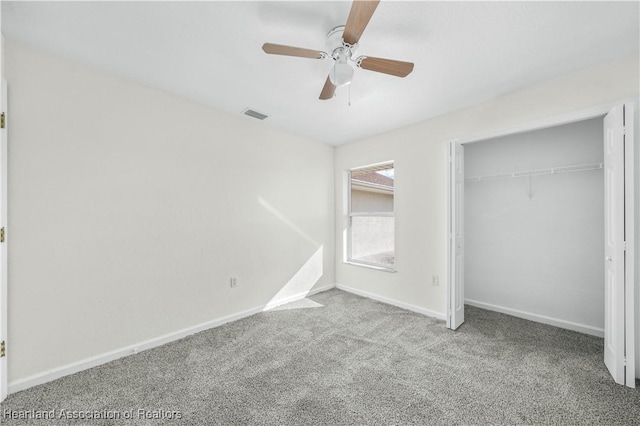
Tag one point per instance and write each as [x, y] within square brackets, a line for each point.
[407, 306]
[94, 361]
[569, 325]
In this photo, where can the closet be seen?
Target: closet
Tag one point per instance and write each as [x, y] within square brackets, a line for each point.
[534, 225]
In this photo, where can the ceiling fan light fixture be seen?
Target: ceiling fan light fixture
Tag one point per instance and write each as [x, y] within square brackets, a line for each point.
[341, 45]
[341, 74]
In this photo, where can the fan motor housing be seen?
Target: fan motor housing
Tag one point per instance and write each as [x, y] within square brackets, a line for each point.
[336, 47]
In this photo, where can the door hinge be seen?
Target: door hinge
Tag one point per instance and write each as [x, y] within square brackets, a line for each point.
[2, 119]
[2, 349]
[2, 235]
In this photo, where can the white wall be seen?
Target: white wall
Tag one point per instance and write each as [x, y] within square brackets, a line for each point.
[420, 174]
[536, 245]
[130, 208]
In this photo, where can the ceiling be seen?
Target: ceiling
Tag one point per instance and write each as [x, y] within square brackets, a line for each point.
[210, 52]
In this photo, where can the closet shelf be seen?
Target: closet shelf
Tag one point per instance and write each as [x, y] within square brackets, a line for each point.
[538, 172]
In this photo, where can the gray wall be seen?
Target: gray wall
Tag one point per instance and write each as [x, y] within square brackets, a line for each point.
[537, 247]
[369, 201]
[371, 236]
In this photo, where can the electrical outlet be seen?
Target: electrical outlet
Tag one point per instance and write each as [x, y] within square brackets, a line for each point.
[435, 280]
[233, 281]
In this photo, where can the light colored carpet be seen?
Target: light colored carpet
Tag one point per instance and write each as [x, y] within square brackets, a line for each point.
[337, 358]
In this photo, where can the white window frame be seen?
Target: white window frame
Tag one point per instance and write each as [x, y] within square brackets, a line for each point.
[350, 215]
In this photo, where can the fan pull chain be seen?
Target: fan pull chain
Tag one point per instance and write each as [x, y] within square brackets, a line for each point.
[349, 95]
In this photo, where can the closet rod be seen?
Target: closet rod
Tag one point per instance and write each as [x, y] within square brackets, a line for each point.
[538, 172]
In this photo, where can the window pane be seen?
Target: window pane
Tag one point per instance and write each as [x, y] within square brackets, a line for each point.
[372, 240]
[372, 191]
[370, 202]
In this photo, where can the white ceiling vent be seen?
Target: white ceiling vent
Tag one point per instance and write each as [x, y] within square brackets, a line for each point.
[254, 114]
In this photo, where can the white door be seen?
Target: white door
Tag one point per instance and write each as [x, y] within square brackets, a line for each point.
[614, 297]
[455, 295]
[630, 224]
[3, 239]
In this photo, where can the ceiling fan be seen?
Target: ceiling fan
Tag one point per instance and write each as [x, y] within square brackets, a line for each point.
[342, 43]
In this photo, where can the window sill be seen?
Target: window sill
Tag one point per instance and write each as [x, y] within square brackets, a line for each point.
[370, 266]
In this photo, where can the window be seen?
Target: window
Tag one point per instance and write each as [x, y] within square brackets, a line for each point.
[371, 218]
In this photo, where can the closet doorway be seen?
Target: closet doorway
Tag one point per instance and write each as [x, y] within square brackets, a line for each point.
[527, 229]
[534, 225]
